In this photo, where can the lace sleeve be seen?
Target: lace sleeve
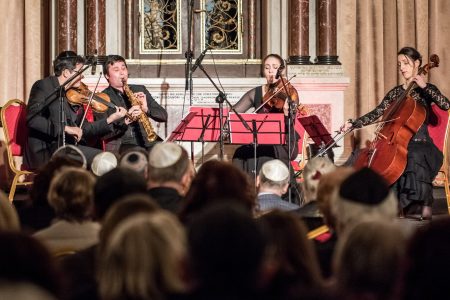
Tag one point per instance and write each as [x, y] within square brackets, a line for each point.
[373, 115]
[435, 95]
[247, 101]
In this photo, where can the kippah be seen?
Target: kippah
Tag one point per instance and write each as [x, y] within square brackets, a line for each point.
[103, 163]
[72, 152]
[164, 155]
[364, 186]
[135, 160]
[275, 170]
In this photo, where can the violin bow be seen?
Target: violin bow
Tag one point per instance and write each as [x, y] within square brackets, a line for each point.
[90, 100]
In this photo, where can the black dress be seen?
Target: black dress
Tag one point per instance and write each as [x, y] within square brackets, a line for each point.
[424, 159]
[243, 157]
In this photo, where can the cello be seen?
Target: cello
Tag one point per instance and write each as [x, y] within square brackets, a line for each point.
[387, 153]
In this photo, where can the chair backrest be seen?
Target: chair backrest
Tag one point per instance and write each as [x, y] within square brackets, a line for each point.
[14, 126]
[438, 126]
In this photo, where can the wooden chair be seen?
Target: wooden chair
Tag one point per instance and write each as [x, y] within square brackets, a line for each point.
[439, 124]
[15, 131]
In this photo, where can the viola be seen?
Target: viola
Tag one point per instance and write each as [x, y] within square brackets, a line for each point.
[80, 95]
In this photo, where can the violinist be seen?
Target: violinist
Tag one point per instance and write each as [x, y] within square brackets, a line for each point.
[274, 91]
[44, 125]
[414, 187]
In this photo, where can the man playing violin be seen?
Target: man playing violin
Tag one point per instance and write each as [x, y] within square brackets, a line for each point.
[44, 124]
[254, 98]
[128, 133]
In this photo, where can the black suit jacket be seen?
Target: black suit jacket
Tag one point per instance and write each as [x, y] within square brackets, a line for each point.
[44, 124]
[155, 111]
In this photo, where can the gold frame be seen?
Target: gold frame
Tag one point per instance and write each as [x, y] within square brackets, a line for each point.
[240, 31]
[159, 51]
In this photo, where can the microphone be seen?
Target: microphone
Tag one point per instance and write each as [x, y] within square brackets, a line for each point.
[199, 60]
[94, 63]
[280, 69]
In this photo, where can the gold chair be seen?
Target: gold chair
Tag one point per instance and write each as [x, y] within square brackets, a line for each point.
[15, 131]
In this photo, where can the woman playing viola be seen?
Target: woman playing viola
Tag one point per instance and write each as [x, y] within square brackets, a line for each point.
[244, 155]
[414, 187]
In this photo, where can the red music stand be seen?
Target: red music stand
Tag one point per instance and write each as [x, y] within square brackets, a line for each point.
[316, 131]
[270, 129]
[200, 125]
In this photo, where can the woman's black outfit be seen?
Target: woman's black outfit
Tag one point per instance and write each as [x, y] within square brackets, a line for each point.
[424, 159]
[243, 157]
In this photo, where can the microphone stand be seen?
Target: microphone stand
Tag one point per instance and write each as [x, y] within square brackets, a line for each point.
[290, 114]
[221, 98]
[188, 65]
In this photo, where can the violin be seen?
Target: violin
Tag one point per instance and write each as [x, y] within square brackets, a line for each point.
[80, 95]
[275, 98]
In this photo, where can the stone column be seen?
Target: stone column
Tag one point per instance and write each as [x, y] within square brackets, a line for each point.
[95, 27]
[326, 27]
[299, 32]
[67, 28]
[130, 34]
[252, 29]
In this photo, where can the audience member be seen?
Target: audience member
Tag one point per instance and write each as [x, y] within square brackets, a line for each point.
[368, 261]
[327, 190]
[312, 173]
[218, 181]
[25, 260]
[136, 160]
[364, 195]
[103, 163]
[23, 291]
[71, 196]
[273, 182]
[226, 250]
[81, 267]
[9, 221]
[170, 175]
[427, 262]
[143, 259]
[113, 185]
[291, 257]
[37, 213]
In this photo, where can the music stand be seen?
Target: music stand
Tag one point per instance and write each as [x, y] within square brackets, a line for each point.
[267, 129]
[317, 132]
[202, 124]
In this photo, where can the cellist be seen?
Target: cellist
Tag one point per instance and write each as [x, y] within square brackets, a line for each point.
[414, 187]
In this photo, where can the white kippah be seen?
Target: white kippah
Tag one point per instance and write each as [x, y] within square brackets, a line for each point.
[275, 170]
[103, 163]
[164, 155]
